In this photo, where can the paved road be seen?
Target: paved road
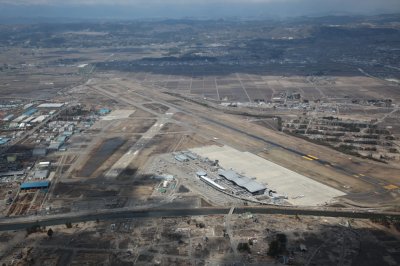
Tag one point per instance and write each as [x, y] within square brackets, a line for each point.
[123, 213]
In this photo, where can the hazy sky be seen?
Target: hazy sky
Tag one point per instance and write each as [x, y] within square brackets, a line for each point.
[192, 8]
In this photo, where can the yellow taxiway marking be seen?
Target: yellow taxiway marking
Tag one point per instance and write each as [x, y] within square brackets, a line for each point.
[391, 187]
[305, 157]
[355, 175]
[361, 175]
[313, 157]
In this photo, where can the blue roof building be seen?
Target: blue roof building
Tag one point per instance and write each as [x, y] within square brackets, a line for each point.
[104, 111]
[35, 185]
[68, 133]
[30, 112]
[4, 141]
[62, 139]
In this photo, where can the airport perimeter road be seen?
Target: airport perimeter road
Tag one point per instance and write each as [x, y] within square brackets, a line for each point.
[124, 213]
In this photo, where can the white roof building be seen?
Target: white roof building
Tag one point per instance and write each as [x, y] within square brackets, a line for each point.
[51, 105]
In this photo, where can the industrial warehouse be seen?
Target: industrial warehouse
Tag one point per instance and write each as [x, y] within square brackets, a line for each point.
[35, 185]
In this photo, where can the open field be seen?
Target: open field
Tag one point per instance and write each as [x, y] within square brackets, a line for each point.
[254, 88]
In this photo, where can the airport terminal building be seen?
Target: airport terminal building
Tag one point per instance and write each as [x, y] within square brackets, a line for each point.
[250, 185]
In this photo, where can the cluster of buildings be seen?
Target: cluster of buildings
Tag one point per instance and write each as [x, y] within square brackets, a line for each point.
[185, 156]
[41, 128]
[17, 118]
[39, 178]
[53, 128]
[30, 115]
[53, 137]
